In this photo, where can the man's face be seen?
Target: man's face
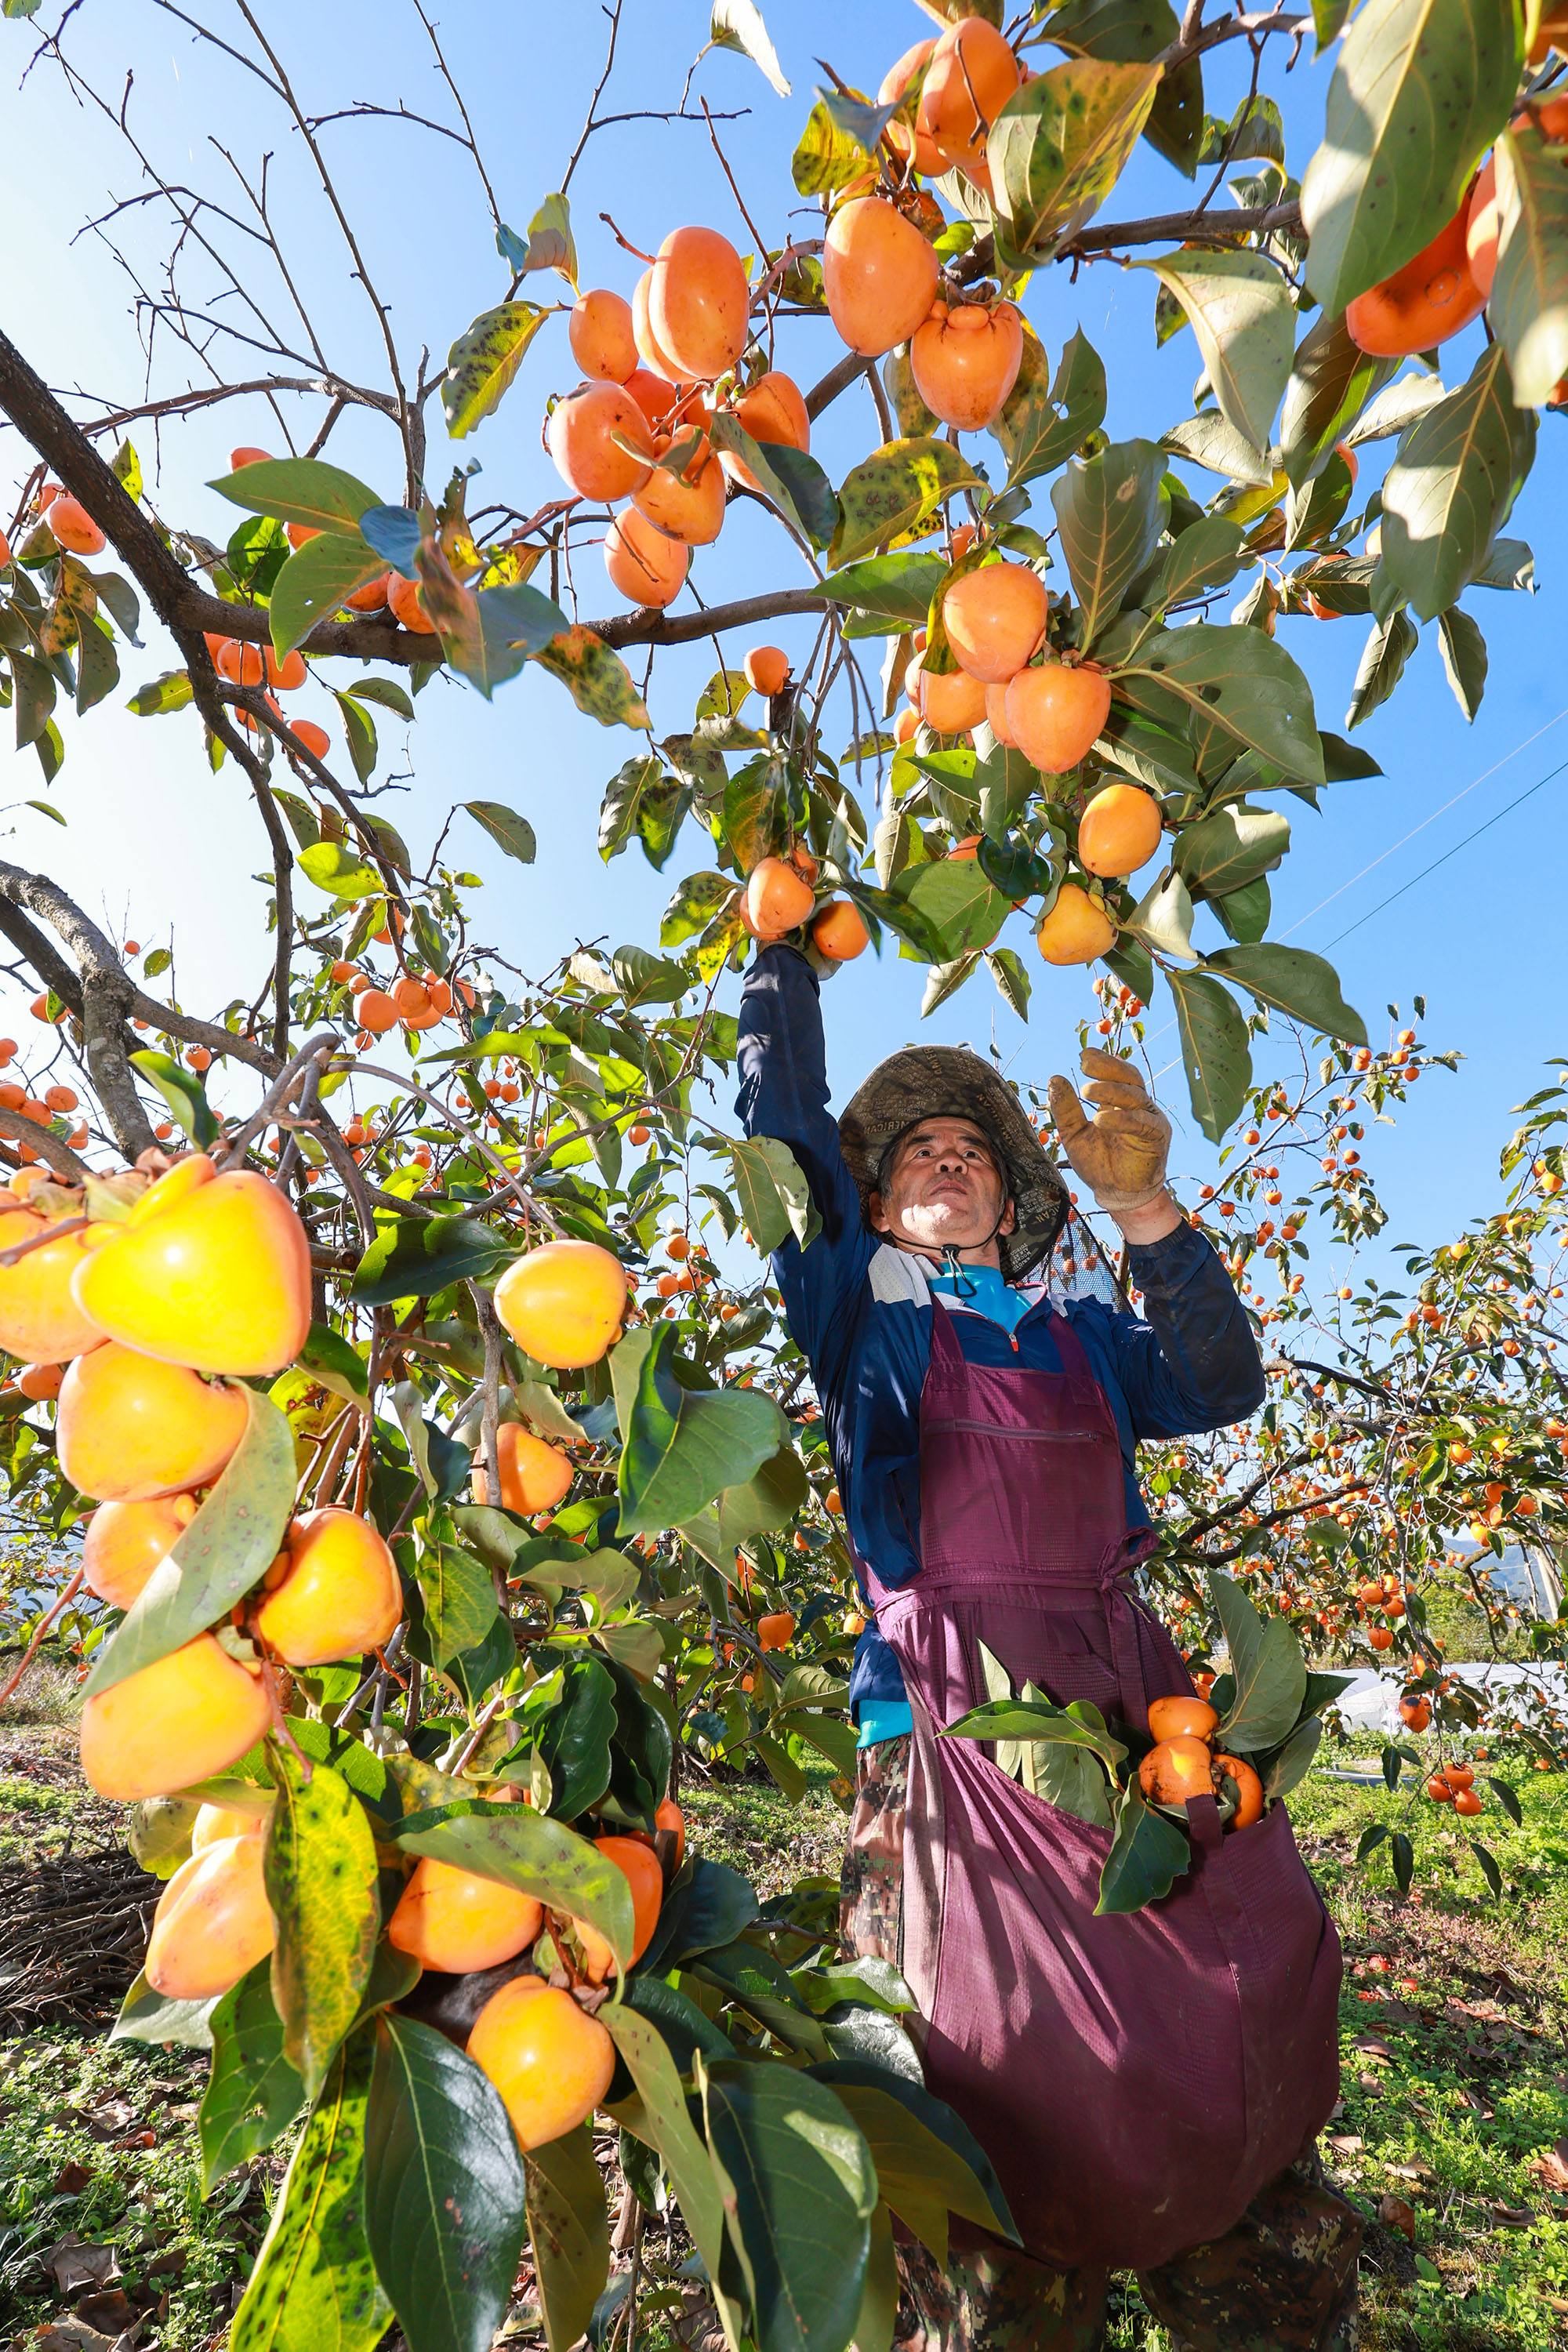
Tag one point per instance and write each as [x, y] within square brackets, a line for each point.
[943, 1189]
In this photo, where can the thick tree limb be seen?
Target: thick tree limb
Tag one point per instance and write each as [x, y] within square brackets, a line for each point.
[60, 1156]
[648, 627]
[1184, 229]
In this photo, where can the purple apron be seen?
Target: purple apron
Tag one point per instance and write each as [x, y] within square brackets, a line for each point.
[1135, 2079]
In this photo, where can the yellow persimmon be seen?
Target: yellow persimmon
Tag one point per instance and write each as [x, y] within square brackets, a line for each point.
[549, 2061]
[339, 1596]
[562, 1304]
[212, 1922]
[179, 1720]
[129, 1427]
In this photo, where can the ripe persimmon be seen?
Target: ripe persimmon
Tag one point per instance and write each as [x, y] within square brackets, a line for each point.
[339, 1595]
[600, 333]
[644, 565]
[1466, 1802]
[893, 85]
[240, 662]
[668, 1816]
[534, 1477]
[1056, 712]
[655, 359]
[588, 457]
[1438, 1790]
[1248, 1790]
[406, 602]
[699, 302]
[1184, 1719]
[994, 618]
[996, 717]
[965, 361]
[1432, 298]
[778, 898]
[839, 932]
[688, 506]
[550, 2061]
[74, 526]
[284, 675]
[454, 1920]
[215, 1824]
[950, 701]
[40, 1382]
[246, 456]
[1458, 1775]
[906, 724]
[1076, 928]
[767, 668]
[563, 1303]
[125, 1542]
[313, 738]
[1482, 227]
[129, 1427]
[655, 395]
[1176, 1770]
[1381, 1637]
[371, 598]
[1118, 830]
[212, 1922]
[776, 1632]
[972, 75]
[640, 1868]
[182, 1719]
[878, 274]
[774, 410]
[210, 1271]
[40, 1319]
[1416, 1714]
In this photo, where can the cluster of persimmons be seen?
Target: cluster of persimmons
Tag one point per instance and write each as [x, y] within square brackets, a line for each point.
[152, 1321]
[1183, 1763]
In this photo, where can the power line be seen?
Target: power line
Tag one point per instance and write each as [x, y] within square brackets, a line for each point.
[1450, 853]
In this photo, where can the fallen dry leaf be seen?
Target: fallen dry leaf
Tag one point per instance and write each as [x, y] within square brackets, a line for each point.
[1516, 2217]
[1551, 2166]
[1345, 2143]
[71, 2179]
[1395, 2214]
[76, 2264]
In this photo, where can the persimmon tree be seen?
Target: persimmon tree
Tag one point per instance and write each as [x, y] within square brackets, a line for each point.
[614, 1566]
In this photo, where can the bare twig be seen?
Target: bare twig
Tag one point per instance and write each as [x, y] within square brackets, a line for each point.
[31, 1653]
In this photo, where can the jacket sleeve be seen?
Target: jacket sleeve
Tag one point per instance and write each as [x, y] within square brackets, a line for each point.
[1193, 1365]
[782, 1058]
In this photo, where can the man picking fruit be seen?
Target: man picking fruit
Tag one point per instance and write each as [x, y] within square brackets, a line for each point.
[1148, 2084]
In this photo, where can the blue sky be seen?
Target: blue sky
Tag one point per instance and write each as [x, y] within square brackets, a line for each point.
[151, 835]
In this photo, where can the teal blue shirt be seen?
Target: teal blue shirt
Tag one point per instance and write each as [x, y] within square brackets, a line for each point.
[984, 1289]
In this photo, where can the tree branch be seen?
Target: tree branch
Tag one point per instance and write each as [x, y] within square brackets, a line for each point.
[1182, 228]
[59, 1155]
[648, 627]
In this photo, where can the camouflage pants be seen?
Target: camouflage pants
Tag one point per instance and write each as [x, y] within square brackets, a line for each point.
[1283, 2279]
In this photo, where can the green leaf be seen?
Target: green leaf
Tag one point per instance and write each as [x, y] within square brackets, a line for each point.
[681, 1447]
[1268, 1675]
[1402, 1853]
[527, 1851]
[1464, 658]
[299, 489]
[929, 2163]
[792, 480]
[799, 2189]
[772, 1194]
[738, 25]
[623, 798]
[385, 691]
[826, 158]
[1230, 847]
[1148, 1854]
[569, 2228]
[1214, 1052]
[1382, 660]
[897, 489]
[1332, 381]
[1208, 555]
[1294, 1761]
[315, 582]
[1207, 440]
[1291, 980]
[314, 2287]
[341, 872]
[1127, 30]
[233, 1539]
[1449, 490]
[1010, 976]
[593, 675]
[171, 691]
[483, 362]
[1110, 511]
[1163, 919]
[1420, 90]
[321, 1870]
[185, 1094]
[645, 979]
[1060, 143]
[769, 1500]
[1038, 429]
[896, 587]
[1241, 312]
[1528, 310]
[148, 2016]
[664, 2117]
[414, 1256]
[444, 2189]
[696, 902]
[460, 1600]
[359, 733]
[489, 635]
[957, 902]
[1242, 692]
[504, 825]
[253, 2094]
[329, 1358]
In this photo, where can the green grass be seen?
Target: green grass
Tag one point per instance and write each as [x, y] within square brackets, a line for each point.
[1454, 2112]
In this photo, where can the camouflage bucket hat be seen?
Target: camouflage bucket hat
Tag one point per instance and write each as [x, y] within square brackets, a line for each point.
[951, 1082]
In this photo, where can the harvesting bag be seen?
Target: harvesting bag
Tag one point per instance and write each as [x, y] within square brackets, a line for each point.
[1135, 2078]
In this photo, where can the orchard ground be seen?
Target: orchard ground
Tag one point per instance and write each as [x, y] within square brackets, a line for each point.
[1452, 2138]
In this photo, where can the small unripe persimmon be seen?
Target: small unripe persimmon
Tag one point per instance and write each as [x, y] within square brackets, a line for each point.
[563, 1303]
[209, 1271]
[600, 333]
[339, 1595]
[125, 1542]
[550, 2061]
[182, 1719]
[213, 1923]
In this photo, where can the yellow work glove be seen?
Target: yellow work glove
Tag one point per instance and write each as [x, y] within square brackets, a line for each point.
[1121, 1152]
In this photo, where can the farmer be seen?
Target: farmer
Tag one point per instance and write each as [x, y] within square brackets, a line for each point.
[1148, 2087]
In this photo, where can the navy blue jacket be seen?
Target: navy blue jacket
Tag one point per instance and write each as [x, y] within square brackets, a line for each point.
[861, 1312]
